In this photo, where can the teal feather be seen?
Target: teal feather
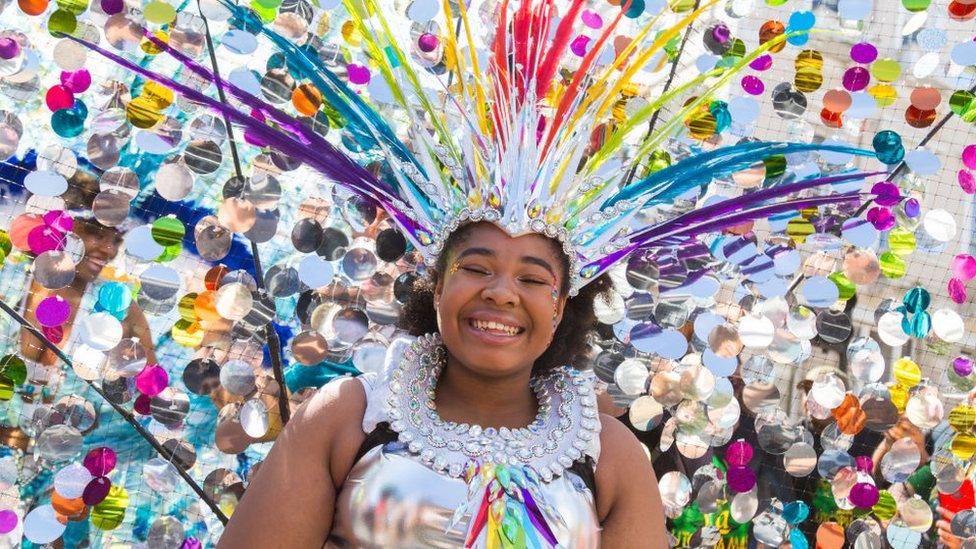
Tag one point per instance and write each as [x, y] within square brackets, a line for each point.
[698, 170]
[358, 114]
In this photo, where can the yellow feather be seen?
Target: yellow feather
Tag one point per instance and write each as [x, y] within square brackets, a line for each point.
[646, 56]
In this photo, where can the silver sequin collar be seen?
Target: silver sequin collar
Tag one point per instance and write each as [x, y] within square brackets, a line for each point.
[566, 428]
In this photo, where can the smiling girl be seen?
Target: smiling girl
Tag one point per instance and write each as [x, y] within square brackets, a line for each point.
[477, 428]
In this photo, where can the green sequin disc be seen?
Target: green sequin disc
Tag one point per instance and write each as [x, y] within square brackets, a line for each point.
[892, 266]
[110, 513]
[13, 368]
[901, 241]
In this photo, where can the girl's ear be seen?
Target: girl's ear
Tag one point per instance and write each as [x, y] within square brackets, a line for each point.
[438, 287]
[560, 308]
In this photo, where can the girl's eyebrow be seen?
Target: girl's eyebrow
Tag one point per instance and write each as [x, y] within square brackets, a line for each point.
[475, 251]
[531, 259]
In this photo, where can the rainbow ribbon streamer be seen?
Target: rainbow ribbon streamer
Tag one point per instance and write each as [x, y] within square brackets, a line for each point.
[507, 505]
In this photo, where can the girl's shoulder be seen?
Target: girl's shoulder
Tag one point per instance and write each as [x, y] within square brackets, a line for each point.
[353, 400]
[615, 438]
[621, 457]
[331, 420]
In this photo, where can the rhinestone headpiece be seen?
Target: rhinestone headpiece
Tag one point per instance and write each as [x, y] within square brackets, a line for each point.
[518, 129]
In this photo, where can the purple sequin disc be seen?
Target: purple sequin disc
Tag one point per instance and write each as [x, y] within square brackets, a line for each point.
[111, 7]
[912, 208]
[753, 85]
[52, 311]
[964, 267]
[761, 63]
[738, 453]
[741, 479]
[864, 53]
[100, 461]
[9, 48]
[887, 193]
[428, 42]
[957, 290]
[152, 380]
[969, 157]
[967, 181]
[881, 218]
[8, 521]
[864, 495]
[962, 365]
[856, 79]
[141, 405]
[96, 490]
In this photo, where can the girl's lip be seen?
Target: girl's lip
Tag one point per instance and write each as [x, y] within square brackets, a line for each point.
[493, 317]
[492, 339]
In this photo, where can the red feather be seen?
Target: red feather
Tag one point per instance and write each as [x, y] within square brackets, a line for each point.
[541, 17]
[570, 94]
[520, 32]
[502, 82]
[555, 52]
[500, 46]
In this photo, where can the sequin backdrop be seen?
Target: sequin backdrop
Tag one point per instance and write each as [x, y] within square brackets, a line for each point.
[853, 319]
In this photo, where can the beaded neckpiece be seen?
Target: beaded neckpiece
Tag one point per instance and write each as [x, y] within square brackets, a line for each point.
[566, 428]
[503, 468]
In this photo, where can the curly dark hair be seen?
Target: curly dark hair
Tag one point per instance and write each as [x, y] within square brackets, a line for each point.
[570, 342]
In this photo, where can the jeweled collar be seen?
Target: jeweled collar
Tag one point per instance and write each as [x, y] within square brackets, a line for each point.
[566, 428]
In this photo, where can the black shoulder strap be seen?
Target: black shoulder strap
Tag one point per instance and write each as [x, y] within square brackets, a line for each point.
[379, 436]
[585, 469]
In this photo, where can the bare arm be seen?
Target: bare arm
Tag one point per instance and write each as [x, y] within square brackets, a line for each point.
[137, 326]
[291, 499]
[628, 499]
[31, 347]
[134, 325]
[605, 404]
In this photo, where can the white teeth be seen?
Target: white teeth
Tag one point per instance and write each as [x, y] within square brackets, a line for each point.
[489, 325]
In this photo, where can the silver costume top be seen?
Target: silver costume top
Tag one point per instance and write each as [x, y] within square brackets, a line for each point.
[449, 485]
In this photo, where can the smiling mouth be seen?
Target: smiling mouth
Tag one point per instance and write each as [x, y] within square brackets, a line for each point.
[97, 261]
[495, 328]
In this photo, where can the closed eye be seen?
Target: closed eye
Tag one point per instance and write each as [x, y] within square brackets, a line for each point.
[475, 270]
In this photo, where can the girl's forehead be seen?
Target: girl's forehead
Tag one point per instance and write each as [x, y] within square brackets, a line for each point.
[491, 238]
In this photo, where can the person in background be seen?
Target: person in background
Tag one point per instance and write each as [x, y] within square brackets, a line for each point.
[101, 246]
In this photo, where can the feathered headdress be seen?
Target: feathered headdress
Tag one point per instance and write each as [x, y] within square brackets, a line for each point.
[513, 140]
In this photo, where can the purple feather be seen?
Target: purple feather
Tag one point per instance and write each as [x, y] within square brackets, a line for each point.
[678, 227]
[280, 117]
[726, 207]
[720, 213]
[328, 160]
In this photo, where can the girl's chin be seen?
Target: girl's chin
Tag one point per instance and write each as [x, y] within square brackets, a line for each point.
[90, 273]
[490, 367]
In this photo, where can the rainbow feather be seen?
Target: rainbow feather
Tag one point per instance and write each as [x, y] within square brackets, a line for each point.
[507, 507]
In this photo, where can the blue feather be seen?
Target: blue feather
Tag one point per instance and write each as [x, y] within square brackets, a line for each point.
[698, 170]
[335, 91]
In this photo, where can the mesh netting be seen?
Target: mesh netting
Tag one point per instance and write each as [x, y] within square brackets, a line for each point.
[171, 269]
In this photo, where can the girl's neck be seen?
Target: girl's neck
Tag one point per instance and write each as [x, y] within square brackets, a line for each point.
[465, 396]
[80, 284]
